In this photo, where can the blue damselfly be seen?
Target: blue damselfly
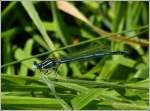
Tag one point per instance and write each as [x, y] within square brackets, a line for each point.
[54, 63]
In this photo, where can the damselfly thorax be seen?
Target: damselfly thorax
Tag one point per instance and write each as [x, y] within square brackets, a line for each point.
[46, 64]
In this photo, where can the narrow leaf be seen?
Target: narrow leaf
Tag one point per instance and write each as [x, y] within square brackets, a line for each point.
[29, 7]
[82, 100]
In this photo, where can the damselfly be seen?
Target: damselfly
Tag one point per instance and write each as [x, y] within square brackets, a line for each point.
[54, 63]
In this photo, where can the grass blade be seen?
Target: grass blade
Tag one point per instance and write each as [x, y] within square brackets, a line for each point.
[51, 86]
[82, 100]
[29, 7]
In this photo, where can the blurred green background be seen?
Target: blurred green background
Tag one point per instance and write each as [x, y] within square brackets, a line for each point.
[33, 31]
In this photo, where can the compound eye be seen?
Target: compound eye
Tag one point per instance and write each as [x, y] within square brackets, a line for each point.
[34, 64]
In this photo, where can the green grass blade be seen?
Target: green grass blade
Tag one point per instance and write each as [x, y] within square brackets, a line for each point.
[39, 40]
[7, 11]
[83, 99]
[30, 102]
[29, 7]
[27, 51]
[51, 86]
[121, 106]
[73, 86]
[49, 26]
[60, 26]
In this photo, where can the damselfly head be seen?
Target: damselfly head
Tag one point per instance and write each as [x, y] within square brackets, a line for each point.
[35, 65]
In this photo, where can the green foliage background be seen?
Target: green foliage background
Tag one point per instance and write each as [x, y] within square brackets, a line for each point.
[33, 31]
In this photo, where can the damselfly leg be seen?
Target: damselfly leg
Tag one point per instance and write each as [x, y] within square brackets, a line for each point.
[55, 71]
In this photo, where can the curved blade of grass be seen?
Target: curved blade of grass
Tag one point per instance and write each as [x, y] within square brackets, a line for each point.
[30, 102]
[143, 83]
[7, 11]
[83, 99]
[51, 86]
[112, 65]
[73, 86]
[27, 51]
[48, 83]
[101, 84]
[23, 88]
[20, 79]
[39, 40]
[49, 26]
[126, 106]
[29, 7]
[118, 16]
[10, 33]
